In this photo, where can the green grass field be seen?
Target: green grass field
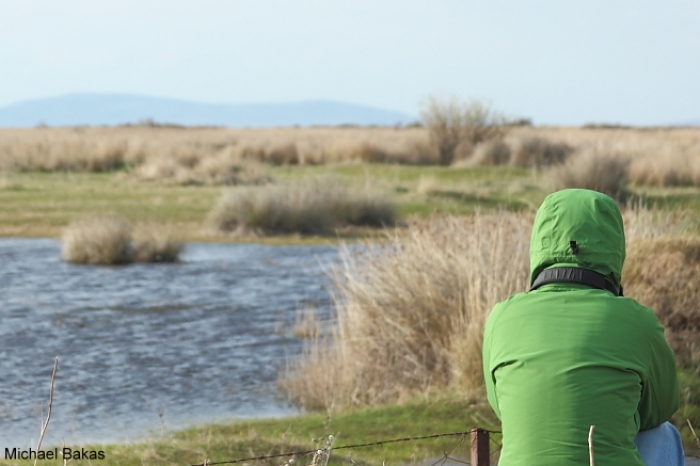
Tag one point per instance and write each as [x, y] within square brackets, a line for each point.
[250, 438]
[41, 204]
[244, 439]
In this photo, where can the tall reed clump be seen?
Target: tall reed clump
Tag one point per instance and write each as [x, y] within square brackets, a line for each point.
[99, 240]
[153, 243]
[595, 170]
[539, 152]
[310, 208]
[410, 315]
[668, 283]
[453, 124]
[107, 240]
[668, 168]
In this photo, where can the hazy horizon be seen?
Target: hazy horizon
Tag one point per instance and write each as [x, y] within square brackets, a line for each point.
[555, 62]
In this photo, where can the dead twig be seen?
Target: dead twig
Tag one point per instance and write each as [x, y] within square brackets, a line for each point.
[697, 440]
[48, 415]
[590, 446]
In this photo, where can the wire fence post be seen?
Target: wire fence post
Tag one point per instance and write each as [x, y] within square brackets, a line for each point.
[480, 447]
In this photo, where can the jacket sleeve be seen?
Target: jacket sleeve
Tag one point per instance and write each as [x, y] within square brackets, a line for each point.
[660, 394]
[486, 361]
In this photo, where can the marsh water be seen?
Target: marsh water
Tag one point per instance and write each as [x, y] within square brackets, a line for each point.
[148, 346]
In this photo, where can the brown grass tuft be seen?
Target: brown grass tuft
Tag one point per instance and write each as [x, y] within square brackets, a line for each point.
[107, 240]
[539, 152]
[664, 273]
[102, 240]
[309, 208]
[492, 153]
[666, 169]
[410, 315]
[283, 155]
[594, 170]
[154, 243]
[453, 123]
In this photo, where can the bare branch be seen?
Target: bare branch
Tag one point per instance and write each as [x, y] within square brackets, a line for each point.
[48, 415]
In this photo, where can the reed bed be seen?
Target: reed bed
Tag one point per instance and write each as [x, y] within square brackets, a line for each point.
[313, 207]
[112, 240]
[102, 149]
[99, 240]
[594, 170]
[409, 316]
[658, 156]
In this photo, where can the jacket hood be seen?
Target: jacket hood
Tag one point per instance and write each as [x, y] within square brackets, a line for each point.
[589, 218]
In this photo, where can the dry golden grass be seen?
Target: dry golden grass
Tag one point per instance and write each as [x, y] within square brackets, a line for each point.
[409, 316]
[111, 240]
[660, 157]
[664, 274]
[155, 243]
[99, 149]
[539, 152]
[598, 171]
[100, 240]
[494, 152]
[312, 207]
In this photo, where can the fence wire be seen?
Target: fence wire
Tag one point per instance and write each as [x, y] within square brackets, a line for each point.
[320, 452]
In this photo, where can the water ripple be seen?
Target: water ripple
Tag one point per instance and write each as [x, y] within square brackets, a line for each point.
[195, 341]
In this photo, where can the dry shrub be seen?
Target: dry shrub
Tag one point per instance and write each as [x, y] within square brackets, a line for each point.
[410, 315]
[307, 323]
[101, 240]
[669, 169]
[161, 169]
[214, 170]
[492, 153]
[107, 240]
[370, 153]
[662, 156]
[309, 208]
[421, 153]
[594, 170]
[154, 243]
[664, 273]
[283, 155]
[538, 152]
[452, 123]
[429, 185]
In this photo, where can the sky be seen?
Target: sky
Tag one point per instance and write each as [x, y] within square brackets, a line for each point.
[557, 62]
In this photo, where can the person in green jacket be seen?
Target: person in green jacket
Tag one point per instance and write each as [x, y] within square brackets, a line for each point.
[572, 352]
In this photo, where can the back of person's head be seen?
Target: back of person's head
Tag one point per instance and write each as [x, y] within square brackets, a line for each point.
[578, 228]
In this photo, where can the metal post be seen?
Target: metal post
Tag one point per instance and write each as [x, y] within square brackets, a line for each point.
[480, 447]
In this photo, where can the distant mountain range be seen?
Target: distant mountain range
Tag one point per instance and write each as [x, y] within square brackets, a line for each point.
[118, 109]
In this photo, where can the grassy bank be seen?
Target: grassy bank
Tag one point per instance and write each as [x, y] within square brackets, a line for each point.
[42, 204]
[251, 438]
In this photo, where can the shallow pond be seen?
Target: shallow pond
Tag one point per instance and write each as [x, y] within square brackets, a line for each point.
[148, 345]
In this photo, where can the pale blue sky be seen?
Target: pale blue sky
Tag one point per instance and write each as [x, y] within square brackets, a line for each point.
[556, 61]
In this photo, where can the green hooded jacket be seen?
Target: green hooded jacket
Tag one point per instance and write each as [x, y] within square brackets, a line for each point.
[566, 356]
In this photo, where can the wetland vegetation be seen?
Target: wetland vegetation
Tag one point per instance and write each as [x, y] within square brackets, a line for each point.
[402, 355]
